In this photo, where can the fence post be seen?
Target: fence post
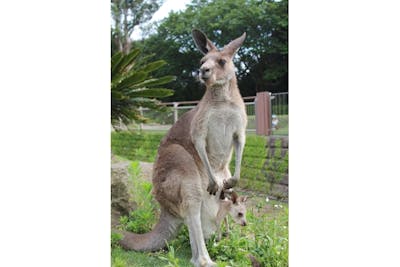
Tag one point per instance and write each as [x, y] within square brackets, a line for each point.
[263, 113]
[176, 111]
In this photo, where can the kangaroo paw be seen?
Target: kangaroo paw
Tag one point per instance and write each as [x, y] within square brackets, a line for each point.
[212, 188]
[231, 182]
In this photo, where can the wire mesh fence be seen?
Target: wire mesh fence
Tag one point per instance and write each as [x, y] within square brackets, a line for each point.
[280, 113]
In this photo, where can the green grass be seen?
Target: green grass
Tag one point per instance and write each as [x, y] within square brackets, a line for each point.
[143, 146]
[265, 237]
[136, 145]
[142, 259]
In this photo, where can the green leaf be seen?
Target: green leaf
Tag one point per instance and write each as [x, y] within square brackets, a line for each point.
[116, 62]
[130, 58]
[157, 81]
[151, 92]
[153, 66]
[115, 95]
[115, 59]
[135, 78]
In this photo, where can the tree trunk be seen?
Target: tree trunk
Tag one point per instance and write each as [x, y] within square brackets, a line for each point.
[126, 38]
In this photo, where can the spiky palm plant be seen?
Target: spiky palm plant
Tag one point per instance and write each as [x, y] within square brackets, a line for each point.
[133, 86]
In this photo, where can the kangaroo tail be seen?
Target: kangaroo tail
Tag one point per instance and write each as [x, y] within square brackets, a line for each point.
[166, 229]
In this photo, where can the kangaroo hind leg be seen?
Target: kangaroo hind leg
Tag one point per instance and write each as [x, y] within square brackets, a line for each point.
[200, 256]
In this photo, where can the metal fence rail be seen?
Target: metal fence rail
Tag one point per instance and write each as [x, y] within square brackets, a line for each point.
[162, 121]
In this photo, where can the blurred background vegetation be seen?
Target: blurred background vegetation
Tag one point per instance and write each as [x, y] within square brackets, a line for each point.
[262, 62]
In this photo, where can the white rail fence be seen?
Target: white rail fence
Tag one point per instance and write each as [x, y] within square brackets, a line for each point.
[278, 103]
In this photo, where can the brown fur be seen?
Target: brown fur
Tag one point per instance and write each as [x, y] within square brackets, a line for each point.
[193, 159]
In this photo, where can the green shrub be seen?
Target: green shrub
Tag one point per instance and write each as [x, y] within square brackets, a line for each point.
[134, 85]
[115, 237]
[171, 259]
[142, 219]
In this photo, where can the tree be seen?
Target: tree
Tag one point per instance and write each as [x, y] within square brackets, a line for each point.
[133, 86]
[262, 62]
[127, 14]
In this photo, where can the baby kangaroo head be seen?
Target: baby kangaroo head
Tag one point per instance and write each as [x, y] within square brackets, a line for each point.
[216, 67]
[238, 210]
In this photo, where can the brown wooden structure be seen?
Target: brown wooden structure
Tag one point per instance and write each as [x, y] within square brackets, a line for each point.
[263, 113]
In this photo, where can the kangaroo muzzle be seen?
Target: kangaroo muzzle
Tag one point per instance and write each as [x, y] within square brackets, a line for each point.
[205, 73]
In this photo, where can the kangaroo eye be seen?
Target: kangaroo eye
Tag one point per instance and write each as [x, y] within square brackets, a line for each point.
[202, 62]
[221, 62]
[240, 214]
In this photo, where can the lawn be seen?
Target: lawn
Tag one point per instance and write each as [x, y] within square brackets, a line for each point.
[143, 146]
[265, 237]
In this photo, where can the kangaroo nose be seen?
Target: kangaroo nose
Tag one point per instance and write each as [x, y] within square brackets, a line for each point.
[204, 71]
[244, 224]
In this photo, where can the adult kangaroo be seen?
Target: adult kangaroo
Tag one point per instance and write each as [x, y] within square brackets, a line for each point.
[192, 165]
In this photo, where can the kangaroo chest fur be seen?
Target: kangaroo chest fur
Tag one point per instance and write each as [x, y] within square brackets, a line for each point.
[224, 121]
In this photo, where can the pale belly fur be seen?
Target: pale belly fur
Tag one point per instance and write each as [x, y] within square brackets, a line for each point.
[221, 129]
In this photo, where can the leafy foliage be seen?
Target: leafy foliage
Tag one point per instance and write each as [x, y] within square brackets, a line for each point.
[126, 14]
[115, 237]
[263, 57]
[172, 260]
[142, 219]
[134, 86]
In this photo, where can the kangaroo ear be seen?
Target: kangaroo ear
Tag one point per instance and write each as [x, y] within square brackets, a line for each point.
[234, 197]
[202, 42]
[234, 45]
